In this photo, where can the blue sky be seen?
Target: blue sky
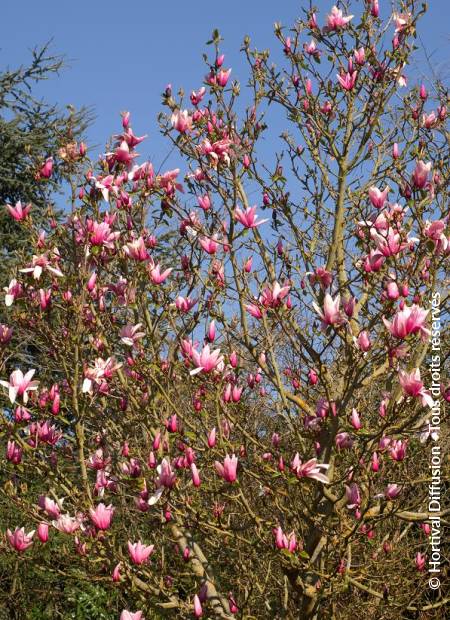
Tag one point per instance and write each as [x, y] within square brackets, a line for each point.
[122, 54]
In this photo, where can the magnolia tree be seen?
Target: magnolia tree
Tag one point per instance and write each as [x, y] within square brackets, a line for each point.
[239, 422]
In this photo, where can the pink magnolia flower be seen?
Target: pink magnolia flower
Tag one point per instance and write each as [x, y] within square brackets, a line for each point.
[442, 112]
[360, 56]
[46, 169]
[353, 496]
[227, 393]
[311, 48]
[21, 414]
[5, 334]
[344, 441]
[45, 432]
[374, 8]
[279, 538]
[123, 153]
[102, 235]
[420, 175]
[19, 540]
[42, 532]
[326, 108]
[136, 250]
[374, 261]
[98, 461]
[409, 320]
[313, 377]
[130, 615]
[400, 77]
[80, 547]
[336, 20]
[104, 480]
[130, 138]
[429, 120]
[168, 181]
[248, 217]
[375, 462]
[392, 491]
[227, 470]
[198, 611]
[218, 152]
[44, 298]
[435, 232]
[388, 242]
[420, 561]
[321, 275]
[130, 334]
[236, 393]
[397, 450]
[20, 384]
[254, 310]
[212, 438]
[195, 475]
[349, 306]
[401, 20]
[184, 304]
[51, 507]
[166, 476]
[210, 245]
[347, 80]
[18, 212]
[232, 603]
[41, 262]
[156, 276]
[131, 468]
[172, 424]
[66, 524]
[273, 297]
[355, 420]
[384, 442]
[330, 314]
[363, 341]
[91, 283]
[222, 77]
[197, 96]
[283, 541]
[392, 290]
[139, 553]
[187, 347]
[102, 516]
[206, 360]
[116, 573]
[310, 469]
[13, 452]
[248, 264]
[380, 220]
[106, 185]
[413, 386]
[211, 333]
[204, 202]
[102, 369]
[181, 121]
[312, 23]
[324, 408]
[377, 197]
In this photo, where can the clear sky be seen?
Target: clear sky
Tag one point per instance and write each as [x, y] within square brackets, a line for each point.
[122, 54]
